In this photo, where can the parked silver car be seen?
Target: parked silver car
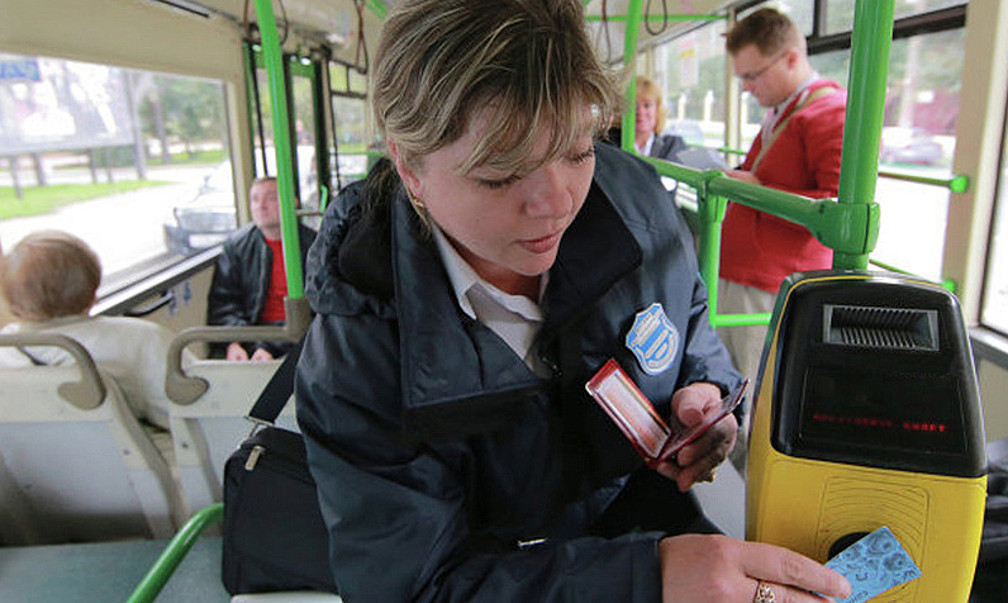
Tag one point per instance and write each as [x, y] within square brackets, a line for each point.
[208, 218]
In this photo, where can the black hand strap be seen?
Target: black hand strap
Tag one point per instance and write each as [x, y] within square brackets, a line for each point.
[274, 396]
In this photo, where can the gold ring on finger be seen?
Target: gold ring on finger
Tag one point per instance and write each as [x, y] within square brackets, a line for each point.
[764, 594]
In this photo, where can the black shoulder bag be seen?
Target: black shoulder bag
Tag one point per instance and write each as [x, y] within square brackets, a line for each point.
[274, 536]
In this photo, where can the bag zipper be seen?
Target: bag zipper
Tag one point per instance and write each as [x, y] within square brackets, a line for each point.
[253, 457]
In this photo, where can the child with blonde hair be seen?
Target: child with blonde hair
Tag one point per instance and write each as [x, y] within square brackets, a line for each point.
[48, 282]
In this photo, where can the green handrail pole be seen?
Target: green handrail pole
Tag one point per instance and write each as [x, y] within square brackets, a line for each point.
[323, 197]
[377, 7]
[712, 213]
[627, 127]
[157, 576]
[741, 320]
[957, 183]
[869, 69]
[282, 144]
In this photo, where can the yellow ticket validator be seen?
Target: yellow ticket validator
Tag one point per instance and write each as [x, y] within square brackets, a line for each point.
[867, 414]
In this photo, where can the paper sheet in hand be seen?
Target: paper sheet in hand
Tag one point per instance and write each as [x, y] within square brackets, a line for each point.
[873, 565]
[700, 158]
[636, 417]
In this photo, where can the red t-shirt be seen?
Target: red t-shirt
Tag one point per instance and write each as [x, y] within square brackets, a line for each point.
[273, 309]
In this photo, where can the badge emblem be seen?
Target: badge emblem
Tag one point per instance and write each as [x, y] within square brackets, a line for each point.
[653, 339]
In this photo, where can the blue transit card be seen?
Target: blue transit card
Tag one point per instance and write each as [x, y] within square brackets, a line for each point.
[873, 565]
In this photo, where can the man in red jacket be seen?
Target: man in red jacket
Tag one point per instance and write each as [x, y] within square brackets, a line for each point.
[797, 150]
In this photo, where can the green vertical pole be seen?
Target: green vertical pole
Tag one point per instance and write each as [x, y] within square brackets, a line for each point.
[712, 212]
[282, 145]
[630, 64]
[869, 71]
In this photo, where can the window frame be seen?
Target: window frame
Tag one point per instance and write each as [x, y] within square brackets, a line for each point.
[999, 216]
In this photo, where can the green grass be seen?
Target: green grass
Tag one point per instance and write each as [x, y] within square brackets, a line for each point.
[209, 156]
[352, 147]
[44, 199]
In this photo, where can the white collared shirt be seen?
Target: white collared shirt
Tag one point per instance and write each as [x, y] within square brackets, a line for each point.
[646, 149]
[514, 318]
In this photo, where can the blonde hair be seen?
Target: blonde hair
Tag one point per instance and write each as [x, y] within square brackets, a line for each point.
[49, 274]
[527, 65]
[647, 89]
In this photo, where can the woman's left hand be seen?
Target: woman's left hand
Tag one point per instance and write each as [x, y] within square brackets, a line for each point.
[697, 460]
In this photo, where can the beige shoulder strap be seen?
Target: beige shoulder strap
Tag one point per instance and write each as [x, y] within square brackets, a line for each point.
[782, 124]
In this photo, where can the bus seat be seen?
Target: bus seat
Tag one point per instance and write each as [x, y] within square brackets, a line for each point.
[76, 468]
[206, 431]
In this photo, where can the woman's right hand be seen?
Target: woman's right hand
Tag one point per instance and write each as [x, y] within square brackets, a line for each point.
[718, 569]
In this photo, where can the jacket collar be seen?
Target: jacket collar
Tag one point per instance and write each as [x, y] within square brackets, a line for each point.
[457, 376]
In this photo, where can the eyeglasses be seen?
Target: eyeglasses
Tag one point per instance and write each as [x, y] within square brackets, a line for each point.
[755, 75]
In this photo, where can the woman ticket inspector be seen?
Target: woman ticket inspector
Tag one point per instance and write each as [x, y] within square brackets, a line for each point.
[465, 292]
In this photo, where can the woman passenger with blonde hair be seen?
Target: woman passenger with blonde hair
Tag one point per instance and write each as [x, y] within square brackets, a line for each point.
[48, 281]
[466, 292]
[650, 120]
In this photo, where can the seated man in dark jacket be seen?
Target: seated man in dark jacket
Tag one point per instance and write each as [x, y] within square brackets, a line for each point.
[250, 281]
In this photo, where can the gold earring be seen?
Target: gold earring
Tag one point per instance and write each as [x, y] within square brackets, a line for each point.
[418, 206]
[415, 201]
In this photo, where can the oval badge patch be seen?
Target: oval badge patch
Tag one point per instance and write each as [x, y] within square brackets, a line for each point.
[653, 339]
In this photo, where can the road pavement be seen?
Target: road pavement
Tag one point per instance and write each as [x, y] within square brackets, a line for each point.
[125, 228]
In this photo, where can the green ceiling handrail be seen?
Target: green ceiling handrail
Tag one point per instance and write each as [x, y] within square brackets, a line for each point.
[846, 228]
[681, 173]
[840, 227]
[957, 183]
[741, 320]
[730, 151]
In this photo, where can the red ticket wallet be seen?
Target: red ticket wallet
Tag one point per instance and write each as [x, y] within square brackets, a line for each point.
[636, 417]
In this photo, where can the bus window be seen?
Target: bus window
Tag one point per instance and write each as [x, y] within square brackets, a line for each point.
[692, 72]
[840, 13]
[799, 11]
[918, 136]
[304, 138]
[834, 65]
[349, 109]
[87, 146]
[301, 111]
[994, 313]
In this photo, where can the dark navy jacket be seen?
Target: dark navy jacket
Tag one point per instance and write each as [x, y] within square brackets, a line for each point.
[436, 451]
